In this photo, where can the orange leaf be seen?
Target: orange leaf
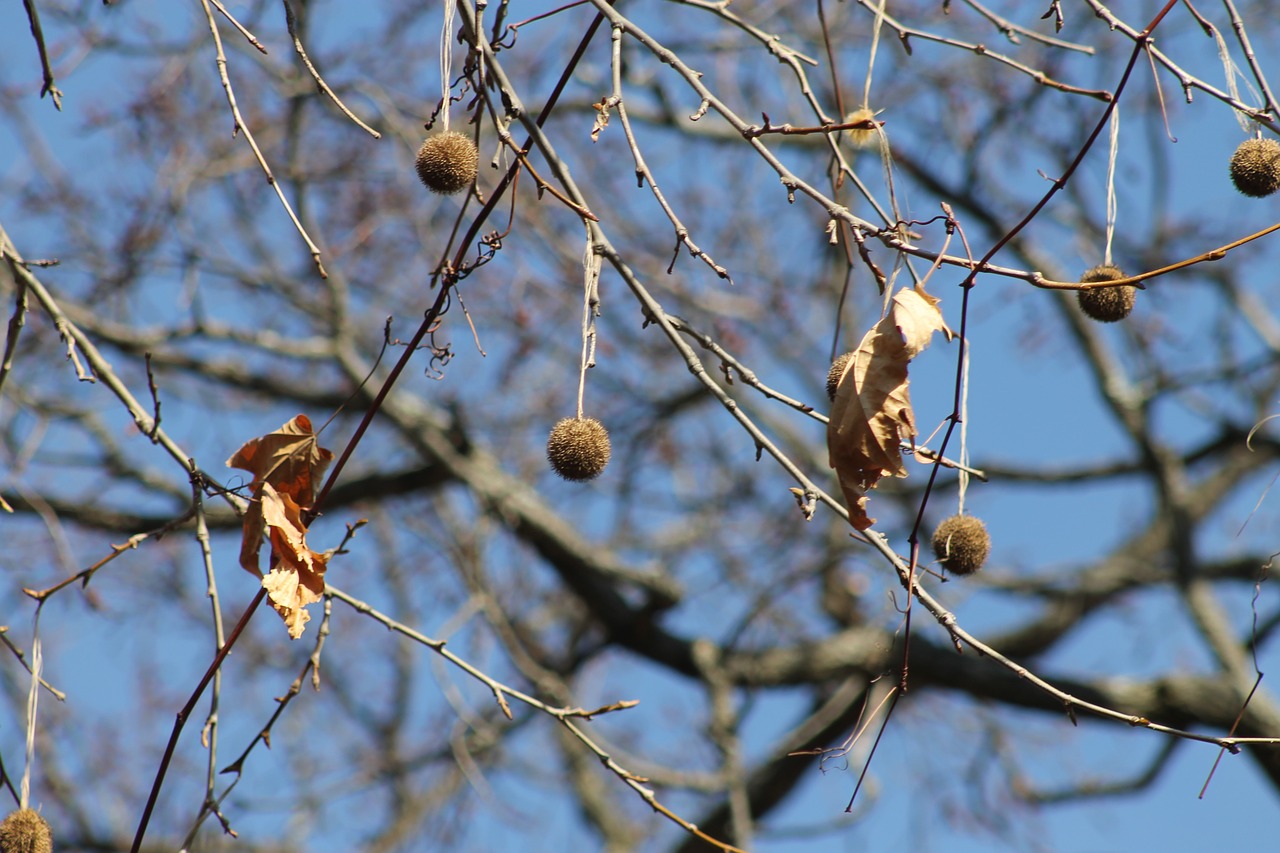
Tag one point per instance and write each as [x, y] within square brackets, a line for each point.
[872, 411]
[291, 459]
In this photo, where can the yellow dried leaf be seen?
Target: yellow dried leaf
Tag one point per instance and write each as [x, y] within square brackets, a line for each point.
[872, 411]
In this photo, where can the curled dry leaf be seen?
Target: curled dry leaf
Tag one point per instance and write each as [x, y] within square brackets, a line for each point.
[291, 459]
[287, 466]
[872, 411]
[296, 578]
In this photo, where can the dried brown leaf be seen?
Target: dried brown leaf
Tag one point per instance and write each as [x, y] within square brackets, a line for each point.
[291, 459]
[287, 466]
[296, 578]
[292, 462]
[872, 412]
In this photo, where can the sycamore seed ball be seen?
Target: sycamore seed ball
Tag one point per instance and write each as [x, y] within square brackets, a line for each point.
[961, 544]
[1107, 304]
[25, 831]
[1255, 167]
[578, 448]
[447, 162]
[833, 376]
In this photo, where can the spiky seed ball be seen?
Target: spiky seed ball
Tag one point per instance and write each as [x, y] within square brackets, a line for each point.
[961, 544]
[25, 831]
[1106, 304]
[833, 375]
[447, 162]
[1255, 167]
[578, 448]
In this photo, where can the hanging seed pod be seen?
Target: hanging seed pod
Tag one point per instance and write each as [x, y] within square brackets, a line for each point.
[961, 544]
[447, 163]
[25, 831]
[1106, 304]
[1255, 167]
[833, 376]
[578, 448]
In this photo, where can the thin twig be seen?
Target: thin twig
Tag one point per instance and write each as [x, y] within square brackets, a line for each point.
[543, 185]
[1242, 35]
[101, 367]
[643, 173]
[155, 397]
[906, 33]
[209, 734]
[16, 322]
[565, 716]
[263, 735]
[180, 722]
[1187, 81]
[22, 658]
[85, 575]
[1211, 255]
[241, 127]
[948, 620]
[249, 37]
[324, 87]
[48, 87]
[1011, 31]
